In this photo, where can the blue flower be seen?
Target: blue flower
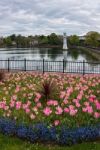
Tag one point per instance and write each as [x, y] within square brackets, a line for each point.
[22, 131]
[41, 132]
[7, 126]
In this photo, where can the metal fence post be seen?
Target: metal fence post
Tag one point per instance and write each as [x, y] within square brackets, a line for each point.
[43, 66]
[8, 65]
[63, 65]
[83, 67]
[25, 64]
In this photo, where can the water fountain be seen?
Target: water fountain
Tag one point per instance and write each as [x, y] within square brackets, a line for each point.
[65, 46]
[65, 42]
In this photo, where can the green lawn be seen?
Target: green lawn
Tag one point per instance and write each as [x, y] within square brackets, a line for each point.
[10, 143]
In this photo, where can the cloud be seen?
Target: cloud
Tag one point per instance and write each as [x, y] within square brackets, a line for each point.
[44, 16]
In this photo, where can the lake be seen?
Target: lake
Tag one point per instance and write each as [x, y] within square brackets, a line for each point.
[70, 65]
[46, 53]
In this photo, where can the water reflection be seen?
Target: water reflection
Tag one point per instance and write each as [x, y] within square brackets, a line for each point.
[74, 54]
[46, 53]
[49, 54]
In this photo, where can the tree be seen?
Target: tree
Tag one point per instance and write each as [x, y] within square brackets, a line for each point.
[53, 39]
[74, 40]
[43, 39]
[8, 42]
[92, 39]
[22, 41]
[13, 37]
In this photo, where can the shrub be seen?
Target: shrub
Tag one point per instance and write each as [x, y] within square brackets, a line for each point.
[47, 89]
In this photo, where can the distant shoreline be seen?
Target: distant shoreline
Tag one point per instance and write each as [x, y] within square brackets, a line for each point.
[49, 46]
[38, 46]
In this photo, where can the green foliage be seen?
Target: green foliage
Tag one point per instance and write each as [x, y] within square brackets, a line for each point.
[47, 89]
[43, 39]
[22, 41]
[7, 41]
[53, 39]
[10, 143]
[92, 39]
[74, 40]
[13, 37]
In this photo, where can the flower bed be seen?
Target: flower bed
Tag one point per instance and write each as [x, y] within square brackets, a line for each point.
[72, 101]
[42, 133]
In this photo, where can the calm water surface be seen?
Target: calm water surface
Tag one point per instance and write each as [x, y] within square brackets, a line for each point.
[50, 55]
[46, 53]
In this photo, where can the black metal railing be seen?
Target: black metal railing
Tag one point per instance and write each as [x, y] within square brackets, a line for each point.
[63, 66]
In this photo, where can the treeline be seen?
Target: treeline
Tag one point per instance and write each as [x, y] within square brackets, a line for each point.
[91, 39]
[30, 41]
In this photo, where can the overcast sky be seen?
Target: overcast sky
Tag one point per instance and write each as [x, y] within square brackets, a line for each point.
[46, 16]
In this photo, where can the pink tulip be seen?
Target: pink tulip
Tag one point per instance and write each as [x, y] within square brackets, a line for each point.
[27, 111]
[38, 95]
[71, 107]
[86, 103]
[12, 103]
[52, 102]
[35, 108]
[90, 109]
[32, 116]
[59, 110]
[39, 105]
[47, 111]
[97, 105]
[62, 95]
[66, 110]
[96, 115]
[6, 107]
[18, 105]
[17, 89]
[84, 109]
[14, 97]
[56, 122]
[78, 105]
[73, 112]
[36, 100]
[24, 106]
[65, 101]
[2, 104]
